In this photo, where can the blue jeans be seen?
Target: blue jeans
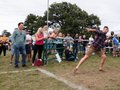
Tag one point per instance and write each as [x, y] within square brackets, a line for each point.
[17, 50]
[75, 49]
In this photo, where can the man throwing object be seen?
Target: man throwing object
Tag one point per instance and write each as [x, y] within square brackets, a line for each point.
[97, 46]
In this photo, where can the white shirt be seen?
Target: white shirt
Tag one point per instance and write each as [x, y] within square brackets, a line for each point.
[28, 39]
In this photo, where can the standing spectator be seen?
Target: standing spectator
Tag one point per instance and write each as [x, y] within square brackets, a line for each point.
[38, 47]
[11, 45]
[108, 45]
[112, 34]
[11, 49]
[75, 45]
[107, 41]
[45, 31]
[69, 41]
[59, 46]
[91, 40]
[111, 37]
[4, 42]
[52, 40]
[0, 45]
[33, 41]
[115, 45]
[80, 43]
[84, 43]
[19, 40]
[28, 45]
[97, 46]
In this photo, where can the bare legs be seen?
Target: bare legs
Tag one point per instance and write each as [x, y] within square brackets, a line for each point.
[29, 57]
[103, 59]
[80, 62]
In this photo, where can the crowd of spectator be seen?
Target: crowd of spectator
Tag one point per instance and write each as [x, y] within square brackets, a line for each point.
[21, 42]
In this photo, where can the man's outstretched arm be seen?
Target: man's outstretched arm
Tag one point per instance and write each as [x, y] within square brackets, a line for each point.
[90, 30]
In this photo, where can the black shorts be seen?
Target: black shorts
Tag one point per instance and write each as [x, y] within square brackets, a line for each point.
[28, 48]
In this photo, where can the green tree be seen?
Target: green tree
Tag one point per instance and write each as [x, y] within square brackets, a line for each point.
[93, 21]
[6, 32]
[30, 23]
[33, 22]
[39, 22]
[71, 18]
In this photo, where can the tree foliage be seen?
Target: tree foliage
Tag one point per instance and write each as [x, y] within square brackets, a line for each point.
[6, 32]
[71, 18]
[30, 22]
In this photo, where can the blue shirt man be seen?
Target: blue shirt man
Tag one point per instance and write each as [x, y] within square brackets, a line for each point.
[19, 40]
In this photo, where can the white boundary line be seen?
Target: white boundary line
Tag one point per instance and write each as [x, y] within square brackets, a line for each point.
[9, 72]
[68, 83]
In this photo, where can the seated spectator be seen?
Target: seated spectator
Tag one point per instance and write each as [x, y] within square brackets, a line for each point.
[69, 54]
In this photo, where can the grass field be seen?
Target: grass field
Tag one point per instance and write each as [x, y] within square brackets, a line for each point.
[88, 75]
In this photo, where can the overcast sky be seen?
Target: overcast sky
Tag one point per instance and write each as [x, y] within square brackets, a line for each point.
[14, 11]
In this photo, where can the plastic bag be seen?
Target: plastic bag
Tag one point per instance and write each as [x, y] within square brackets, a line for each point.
[58, 57]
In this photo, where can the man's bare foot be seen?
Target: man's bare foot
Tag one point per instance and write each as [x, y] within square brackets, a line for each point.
[101, 69]
[75, 70]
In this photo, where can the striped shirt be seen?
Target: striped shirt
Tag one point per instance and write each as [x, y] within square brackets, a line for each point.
[99, 41]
